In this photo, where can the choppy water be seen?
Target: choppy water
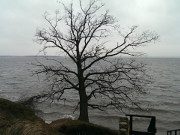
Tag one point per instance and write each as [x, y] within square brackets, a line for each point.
[16, 81]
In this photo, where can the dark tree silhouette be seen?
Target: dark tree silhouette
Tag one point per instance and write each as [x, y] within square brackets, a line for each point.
[87, 36]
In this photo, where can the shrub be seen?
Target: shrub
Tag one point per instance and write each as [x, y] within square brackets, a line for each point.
[76, 127]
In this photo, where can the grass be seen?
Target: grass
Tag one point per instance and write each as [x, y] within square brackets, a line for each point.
[15, 110]
[16, 119]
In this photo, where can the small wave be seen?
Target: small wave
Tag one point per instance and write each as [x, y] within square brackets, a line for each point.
[171, 103]
[163, 111]
[12, 83]
[51, 113]
[176, 122]
[105, 117]
[68, 116]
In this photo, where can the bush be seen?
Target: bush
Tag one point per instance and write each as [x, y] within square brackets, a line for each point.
[76, 127]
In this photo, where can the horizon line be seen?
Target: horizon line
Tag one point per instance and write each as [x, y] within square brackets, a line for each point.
[65, 56]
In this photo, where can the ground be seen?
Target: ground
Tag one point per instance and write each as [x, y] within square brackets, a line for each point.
[16, 119]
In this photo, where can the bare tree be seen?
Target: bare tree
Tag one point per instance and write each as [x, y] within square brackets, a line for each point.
[85, 37]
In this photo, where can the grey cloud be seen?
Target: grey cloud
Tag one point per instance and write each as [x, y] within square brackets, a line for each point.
[20, 18]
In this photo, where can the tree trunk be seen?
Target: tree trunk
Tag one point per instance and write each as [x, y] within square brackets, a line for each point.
[82, 95]
[83, 107]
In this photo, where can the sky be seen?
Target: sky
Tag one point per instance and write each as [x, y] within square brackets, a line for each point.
[19, 20]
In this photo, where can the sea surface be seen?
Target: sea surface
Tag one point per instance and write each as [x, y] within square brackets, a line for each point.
[17, 82]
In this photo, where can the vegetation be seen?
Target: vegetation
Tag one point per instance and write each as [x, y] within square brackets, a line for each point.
[16, 111]
[76, 127]
[16, 119]
[94, 43]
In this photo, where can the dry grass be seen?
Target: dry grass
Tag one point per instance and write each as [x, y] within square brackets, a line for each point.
[16, 119]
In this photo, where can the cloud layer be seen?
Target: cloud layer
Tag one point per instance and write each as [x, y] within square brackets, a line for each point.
[19, 20]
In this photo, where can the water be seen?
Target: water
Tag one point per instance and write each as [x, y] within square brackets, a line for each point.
[16, 82]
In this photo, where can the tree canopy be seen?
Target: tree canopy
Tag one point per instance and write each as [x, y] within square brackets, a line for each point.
[95, 43]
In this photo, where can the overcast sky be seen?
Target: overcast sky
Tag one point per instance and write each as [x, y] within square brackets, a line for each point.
[19, 20]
